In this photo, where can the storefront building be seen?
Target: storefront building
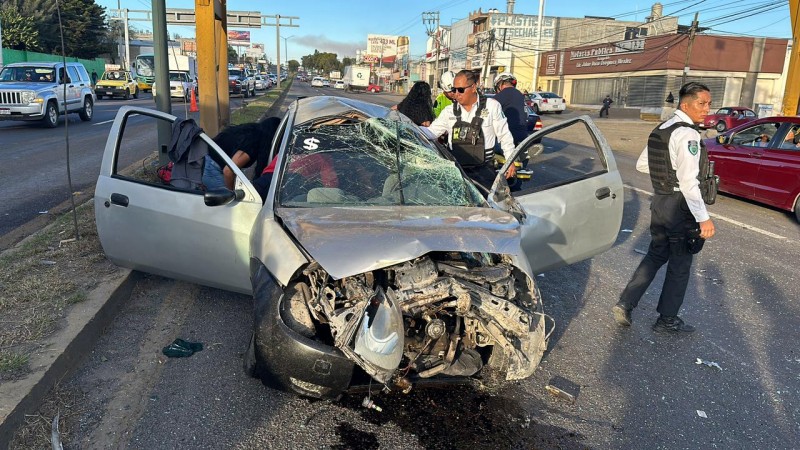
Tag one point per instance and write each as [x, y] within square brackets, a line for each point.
[641, 73]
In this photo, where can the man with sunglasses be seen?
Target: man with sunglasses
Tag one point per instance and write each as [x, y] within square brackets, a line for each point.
[474, 125]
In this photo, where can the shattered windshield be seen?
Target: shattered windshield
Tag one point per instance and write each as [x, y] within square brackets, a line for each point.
[345, 161]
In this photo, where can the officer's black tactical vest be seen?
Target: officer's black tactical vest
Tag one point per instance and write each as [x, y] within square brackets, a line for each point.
[663, 176]
[469, 146]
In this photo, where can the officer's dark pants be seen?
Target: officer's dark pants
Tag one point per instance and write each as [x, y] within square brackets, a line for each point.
[670, 218]
[483, 175]
[604, 109]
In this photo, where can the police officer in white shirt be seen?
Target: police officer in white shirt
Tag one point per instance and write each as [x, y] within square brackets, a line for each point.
[675, 159]
[474, 125]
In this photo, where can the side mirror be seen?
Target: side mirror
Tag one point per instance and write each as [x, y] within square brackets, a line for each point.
[222, 197]
[722, 139]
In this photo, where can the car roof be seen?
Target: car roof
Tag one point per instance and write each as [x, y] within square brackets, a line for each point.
[40, 64]
[311, 108]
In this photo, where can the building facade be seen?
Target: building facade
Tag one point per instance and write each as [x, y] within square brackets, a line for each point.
[641, 72]
[495, 42]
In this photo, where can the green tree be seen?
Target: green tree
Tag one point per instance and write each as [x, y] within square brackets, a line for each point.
[84, 26]
[19, 32]
[233, 57]
[293, 65]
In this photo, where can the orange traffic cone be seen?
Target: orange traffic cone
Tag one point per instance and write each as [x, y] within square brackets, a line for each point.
[193, 107]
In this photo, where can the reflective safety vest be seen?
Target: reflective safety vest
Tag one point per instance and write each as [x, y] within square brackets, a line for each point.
[468, 141]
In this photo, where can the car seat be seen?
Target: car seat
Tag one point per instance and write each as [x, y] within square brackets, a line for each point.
[330, 195]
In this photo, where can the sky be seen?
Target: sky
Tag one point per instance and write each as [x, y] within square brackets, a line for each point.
[342, 26]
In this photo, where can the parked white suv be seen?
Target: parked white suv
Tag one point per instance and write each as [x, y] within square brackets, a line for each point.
[35, 91]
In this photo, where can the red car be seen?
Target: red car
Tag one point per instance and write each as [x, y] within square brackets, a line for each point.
[729, 117]
[373, 88]
[760, 160]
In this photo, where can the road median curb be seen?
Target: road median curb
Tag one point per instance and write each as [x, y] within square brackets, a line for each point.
[62, 352]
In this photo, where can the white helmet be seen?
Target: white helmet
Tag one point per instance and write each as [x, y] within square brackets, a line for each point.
[505, 76]
[446, 81]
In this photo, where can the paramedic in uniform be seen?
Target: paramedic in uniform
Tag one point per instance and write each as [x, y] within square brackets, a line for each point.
[474, 124]
[673, 160]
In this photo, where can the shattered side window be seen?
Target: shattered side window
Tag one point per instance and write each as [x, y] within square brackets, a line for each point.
[344, 161]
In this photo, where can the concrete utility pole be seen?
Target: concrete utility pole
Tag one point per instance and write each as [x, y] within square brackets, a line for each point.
[487, 58]
[431, 21]
[212, 65]
[791, 94]
[537, 54]
[692, 33]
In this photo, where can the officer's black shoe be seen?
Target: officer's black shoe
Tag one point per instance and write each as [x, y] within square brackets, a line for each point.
[672, 324]
[622, 315]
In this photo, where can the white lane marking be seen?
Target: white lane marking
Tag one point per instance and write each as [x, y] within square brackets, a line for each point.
[101, 123]
[723, 218]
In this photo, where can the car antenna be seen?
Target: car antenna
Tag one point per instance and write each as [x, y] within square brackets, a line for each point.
[66, 121]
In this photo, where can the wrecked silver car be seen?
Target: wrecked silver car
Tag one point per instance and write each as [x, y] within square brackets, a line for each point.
[373, 258]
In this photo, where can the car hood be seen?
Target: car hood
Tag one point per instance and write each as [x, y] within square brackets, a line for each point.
[111, 83]
[349, 241]
[27, 86]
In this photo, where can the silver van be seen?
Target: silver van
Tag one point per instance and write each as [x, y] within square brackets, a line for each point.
[41, 91]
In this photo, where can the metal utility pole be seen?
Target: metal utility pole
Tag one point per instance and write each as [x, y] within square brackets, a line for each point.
[127, 44]
[1, 46]
[286, 49]
[431, 21]
[692, 33]
[278, 26]
[537, 54]
[161, 60]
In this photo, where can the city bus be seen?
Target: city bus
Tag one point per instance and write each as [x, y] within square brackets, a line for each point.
[144, 65]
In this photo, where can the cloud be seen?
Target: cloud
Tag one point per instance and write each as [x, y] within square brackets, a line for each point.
[324, 44]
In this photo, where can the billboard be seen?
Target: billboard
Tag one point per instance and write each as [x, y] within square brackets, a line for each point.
[382, 44]
[255, 50]
[238, 37]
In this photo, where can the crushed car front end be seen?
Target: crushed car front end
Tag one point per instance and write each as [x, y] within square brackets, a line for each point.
[375, 260]
[414, 313]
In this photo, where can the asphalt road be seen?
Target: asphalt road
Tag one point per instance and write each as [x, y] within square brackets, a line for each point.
[633, 388]
[33, 159]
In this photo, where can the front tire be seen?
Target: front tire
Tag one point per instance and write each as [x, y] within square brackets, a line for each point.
[87, 111]
[50, 119]
[720, 126]
[136, 93]
[127, 94]
[797, 209]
